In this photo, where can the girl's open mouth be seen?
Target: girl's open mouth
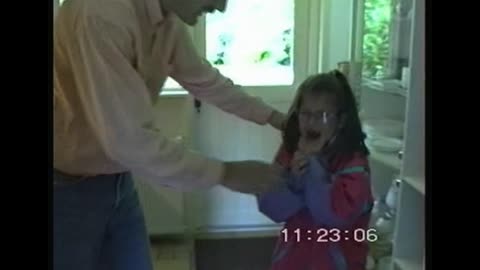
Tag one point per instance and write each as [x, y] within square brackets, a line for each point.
[313, 135]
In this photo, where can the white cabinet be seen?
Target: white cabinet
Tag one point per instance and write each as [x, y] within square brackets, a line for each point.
[163, 209]
[387, 72]
[225, 137]
[410, 228]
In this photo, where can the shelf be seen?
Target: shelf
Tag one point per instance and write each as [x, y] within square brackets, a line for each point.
[403, 264]
[237, 232]
[417, 183]
[386, 87]
[172, 229]
[176, 255]
[389, 159]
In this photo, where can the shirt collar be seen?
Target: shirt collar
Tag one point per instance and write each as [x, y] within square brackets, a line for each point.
[155, 11]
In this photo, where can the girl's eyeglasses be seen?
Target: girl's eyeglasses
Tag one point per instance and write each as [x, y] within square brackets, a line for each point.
[318, 117]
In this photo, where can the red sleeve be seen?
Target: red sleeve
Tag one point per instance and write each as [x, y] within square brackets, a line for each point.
[339, 198]
[351, 191]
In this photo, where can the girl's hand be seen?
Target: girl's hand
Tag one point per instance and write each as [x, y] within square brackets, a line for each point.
[299, 162]
[307, 148]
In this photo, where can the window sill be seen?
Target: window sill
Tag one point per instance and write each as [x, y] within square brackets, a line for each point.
[267, 93]
[174, 93]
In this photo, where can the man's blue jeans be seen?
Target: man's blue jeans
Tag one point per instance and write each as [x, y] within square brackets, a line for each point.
[99, 224]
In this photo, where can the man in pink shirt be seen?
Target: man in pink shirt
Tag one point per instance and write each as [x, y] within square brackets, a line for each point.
[111, 59]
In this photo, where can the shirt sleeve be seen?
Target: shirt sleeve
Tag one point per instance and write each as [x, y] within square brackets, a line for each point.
[206, 83]
[280, 204]
[283, 202]
[117, 105]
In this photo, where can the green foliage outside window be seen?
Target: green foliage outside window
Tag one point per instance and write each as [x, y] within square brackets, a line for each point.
[376, 37]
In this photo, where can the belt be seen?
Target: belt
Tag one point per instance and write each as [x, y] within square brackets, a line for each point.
[61, 178]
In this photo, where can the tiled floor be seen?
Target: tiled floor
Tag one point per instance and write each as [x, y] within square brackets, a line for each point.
[219, 254]
[172, 255]
[234, 254]
[213, 254]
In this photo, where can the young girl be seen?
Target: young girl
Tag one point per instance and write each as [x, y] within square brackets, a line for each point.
[326, 201]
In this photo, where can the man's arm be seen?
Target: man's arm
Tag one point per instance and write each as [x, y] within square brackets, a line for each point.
[206, 83]
[117, 105]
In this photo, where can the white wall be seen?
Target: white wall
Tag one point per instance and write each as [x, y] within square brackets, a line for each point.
[56, 4]
[226, 137]
[335, 32]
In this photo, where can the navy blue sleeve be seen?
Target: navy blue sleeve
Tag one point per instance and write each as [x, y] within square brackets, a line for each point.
[281, 203]
[318, 197]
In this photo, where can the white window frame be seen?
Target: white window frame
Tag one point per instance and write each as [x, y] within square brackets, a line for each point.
[56, 5]
[305, 50]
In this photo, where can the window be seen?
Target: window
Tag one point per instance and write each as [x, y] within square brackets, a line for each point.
[252, 42]
[171, 85]
[386, 38]
[262, 44]
[376, 37]
[266, 46]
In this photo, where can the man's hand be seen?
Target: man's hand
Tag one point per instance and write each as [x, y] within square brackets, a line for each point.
[251, 177]
[277, 120]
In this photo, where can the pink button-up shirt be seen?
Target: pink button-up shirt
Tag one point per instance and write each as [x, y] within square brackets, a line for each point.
[112, 58]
